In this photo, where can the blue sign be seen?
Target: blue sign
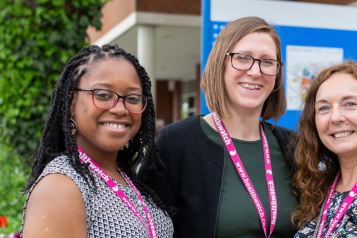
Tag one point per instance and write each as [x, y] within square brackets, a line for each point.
[309, 41]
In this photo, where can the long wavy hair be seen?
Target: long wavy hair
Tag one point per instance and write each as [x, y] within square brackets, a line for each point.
[317, 166]
[57, 138]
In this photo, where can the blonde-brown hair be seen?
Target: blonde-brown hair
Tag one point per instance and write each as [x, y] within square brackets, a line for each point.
[311, 182]
[213, 75]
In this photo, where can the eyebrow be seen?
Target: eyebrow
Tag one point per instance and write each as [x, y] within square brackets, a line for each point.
[349, 97]
[110, 86]
[343, 99]
[321, 101]
[264, 56]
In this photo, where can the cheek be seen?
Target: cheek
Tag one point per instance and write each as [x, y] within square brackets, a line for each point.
[86, 114]
[321, 126]
[271, 81]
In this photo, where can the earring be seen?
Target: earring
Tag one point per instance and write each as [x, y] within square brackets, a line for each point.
[73, 125]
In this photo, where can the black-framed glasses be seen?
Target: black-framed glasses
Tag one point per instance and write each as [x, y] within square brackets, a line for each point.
[241, 61]
[107, 99]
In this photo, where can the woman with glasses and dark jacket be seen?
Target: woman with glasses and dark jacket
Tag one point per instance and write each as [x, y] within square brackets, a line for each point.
[100, 127]
[227, 173]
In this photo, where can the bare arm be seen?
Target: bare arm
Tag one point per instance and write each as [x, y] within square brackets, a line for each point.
[55, 209]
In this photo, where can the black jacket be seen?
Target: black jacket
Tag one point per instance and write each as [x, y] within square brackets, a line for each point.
[193, 177]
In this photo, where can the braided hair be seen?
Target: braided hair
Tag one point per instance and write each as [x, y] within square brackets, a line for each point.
[57, 138]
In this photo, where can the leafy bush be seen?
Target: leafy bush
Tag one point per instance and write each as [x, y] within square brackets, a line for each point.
[37, 38]
[13, 178]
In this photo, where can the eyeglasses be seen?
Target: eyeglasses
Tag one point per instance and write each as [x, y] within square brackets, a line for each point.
[107, 99]
[241, 61]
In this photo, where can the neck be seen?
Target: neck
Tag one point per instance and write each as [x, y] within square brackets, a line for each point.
[105, 160]
[242, 126]
[348, 176]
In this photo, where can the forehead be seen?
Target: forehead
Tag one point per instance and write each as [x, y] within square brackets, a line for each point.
[261, 42]
[337, 86]
[117, 72]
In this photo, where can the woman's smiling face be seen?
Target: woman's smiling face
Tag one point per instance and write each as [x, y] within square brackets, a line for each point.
[336, 114]
[248, 89]
[106, 130]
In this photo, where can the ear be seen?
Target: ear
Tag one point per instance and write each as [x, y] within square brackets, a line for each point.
[73, 105]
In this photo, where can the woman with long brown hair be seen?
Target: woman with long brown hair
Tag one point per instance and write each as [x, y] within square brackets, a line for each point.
[326, 156]
[227, 172]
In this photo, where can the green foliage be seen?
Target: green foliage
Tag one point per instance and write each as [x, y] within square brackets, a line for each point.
[37, 38]
[13, 178]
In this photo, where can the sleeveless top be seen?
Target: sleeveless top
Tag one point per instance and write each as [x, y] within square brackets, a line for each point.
[107, 214]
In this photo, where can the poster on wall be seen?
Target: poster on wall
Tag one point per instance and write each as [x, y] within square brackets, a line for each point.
[303, 64]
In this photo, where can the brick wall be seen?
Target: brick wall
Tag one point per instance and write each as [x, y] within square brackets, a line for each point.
[113, 12]
[192, 7]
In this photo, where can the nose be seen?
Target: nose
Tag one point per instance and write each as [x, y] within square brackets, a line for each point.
[254, 71]
[337, 116]
[119, 108]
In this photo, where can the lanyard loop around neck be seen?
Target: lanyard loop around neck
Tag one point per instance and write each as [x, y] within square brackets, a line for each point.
[245, 178]
[98, 170]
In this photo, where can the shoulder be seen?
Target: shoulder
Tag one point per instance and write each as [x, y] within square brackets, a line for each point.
[54, 186]
[189, 123]
[284, 135]
[61, 165]
[55, 205]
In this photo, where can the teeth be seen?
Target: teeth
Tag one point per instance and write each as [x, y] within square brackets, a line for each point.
[249, 86]
[116, 126]
[342, 134]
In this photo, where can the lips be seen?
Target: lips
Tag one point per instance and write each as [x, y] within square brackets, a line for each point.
[251, 86]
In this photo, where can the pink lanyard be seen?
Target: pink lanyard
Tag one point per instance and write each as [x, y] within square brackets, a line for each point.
[245, 178]
[95, 167]
[340, 212]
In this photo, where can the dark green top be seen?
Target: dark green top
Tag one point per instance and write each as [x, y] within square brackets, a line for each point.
[237, 214]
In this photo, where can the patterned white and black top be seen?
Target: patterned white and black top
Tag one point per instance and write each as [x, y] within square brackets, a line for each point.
[107, 215]
[346, 227]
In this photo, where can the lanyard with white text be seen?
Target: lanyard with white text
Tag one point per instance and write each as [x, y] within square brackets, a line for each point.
[341, 210]
[245, 178]
[95, 167]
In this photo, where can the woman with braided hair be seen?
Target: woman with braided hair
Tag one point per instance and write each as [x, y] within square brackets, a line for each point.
[100, 127]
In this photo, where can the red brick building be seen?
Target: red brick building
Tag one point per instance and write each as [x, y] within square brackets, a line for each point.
[165, 36]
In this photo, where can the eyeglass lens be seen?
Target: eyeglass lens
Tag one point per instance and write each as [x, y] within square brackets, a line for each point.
[105, 99]
[244, 62]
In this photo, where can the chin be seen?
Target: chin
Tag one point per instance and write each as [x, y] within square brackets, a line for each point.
[113, 147]
[251, 106]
